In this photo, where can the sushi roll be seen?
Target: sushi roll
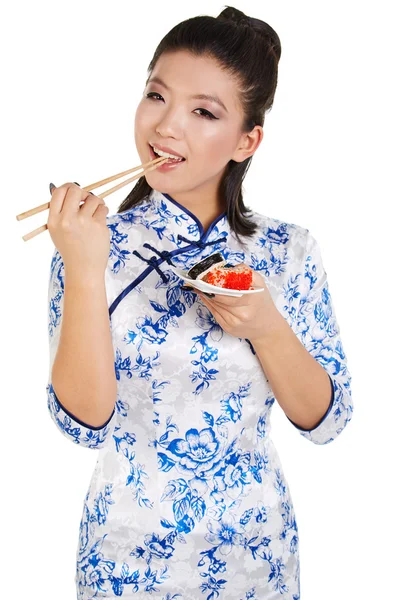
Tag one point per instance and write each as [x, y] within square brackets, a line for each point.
[217, 271]
[201, 268]
[239, 277]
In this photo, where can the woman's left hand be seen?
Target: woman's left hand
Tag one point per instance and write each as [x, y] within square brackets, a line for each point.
[251, 316]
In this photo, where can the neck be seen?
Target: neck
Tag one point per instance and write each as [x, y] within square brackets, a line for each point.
[207, 205]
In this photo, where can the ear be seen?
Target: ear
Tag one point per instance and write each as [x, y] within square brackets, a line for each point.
[248, 144]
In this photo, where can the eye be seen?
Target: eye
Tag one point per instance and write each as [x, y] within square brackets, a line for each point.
[206, 114]
[151, 94]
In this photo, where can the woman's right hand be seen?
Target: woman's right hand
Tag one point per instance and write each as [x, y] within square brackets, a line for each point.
[79, 232]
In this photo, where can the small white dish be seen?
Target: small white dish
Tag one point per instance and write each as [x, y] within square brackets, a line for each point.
[212, 289]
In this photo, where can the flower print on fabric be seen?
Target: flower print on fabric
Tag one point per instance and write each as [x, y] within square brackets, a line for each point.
[71, 427]
[188, 498]
[318, 330]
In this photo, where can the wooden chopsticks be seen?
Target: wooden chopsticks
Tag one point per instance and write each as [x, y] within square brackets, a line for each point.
[152, 164]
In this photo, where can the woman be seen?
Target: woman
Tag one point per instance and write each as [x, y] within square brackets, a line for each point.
[188, 498]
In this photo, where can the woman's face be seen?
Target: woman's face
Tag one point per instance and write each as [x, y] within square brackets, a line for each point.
[205, 133]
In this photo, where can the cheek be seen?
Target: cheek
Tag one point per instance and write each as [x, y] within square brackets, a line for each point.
[142, 119]
[212, 149]
[138, 116]
[143, 131]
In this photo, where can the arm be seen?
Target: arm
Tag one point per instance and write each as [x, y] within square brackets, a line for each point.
[82, 386]
[290, 370]
[307, 367]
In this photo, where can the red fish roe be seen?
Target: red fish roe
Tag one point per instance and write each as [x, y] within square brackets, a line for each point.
[233, 278]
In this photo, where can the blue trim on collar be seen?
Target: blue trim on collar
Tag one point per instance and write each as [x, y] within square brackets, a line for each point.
[203, 236]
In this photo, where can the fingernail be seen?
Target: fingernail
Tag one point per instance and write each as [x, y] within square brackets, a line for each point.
[209, 295]
[187, 288]
[51, 187]
[77, 183]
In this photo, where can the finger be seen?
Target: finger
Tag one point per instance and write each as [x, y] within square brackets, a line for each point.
[258, 279]
[91, 204]
[66, 199]
[232, 301]
[101, 212]
[57, 199]
[214, 311]
[72, 200]
[219, 308]
[222, 309]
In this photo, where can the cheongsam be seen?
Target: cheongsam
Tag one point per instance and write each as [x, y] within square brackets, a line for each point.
[188, 498]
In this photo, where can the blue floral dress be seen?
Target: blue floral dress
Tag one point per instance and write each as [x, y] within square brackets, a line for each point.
[188, 498]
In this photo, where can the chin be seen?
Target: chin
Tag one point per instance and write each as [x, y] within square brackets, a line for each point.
[164, 188]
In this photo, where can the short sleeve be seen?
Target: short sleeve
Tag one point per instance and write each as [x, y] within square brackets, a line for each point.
[70, 426]
[317, 328]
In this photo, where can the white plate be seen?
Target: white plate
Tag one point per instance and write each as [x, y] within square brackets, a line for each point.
[212, 289]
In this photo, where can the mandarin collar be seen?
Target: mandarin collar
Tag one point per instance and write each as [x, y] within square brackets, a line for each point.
[177, 219]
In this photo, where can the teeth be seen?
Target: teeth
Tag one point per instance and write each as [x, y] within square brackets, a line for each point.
[161, 153]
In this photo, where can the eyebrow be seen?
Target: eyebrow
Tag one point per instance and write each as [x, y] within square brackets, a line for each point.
[209, 97]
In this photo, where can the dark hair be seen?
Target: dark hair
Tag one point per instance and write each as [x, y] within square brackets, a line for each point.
[249, 49]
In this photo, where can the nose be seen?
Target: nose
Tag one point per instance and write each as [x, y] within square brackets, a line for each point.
[171, 124]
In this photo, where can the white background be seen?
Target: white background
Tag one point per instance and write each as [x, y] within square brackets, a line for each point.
[72, 76]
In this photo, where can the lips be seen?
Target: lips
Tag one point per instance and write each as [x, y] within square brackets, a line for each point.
[167, 164]
[167, 149]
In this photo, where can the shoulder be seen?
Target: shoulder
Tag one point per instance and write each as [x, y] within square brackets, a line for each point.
[277, 231]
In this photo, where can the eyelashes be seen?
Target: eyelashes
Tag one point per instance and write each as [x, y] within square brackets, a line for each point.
[206, 115]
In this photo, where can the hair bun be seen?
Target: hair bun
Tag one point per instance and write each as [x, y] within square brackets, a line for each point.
[243, 21]
[235, 16]
[261, 28]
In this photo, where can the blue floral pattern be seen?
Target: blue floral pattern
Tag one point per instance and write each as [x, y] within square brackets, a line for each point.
[188, 498]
